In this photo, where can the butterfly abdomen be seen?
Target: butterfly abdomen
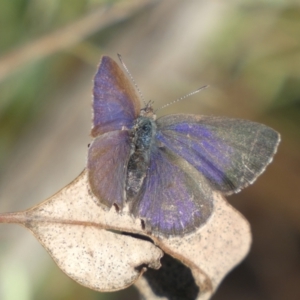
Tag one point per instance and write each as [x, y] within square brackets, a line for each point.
[141, 141]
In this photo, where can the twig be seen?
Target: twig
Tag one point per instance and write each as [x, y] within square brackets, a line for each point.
[68, 36]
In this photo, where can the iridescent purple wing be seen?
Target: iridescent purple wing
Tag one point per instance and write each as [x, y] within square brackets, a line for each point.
[175, 199]
[230, 153]
[115, 102]
[107, 161]
[115, 107]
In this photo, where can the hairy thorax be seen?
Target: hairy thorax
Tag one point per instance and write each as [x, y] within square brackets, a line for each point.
[141, 141]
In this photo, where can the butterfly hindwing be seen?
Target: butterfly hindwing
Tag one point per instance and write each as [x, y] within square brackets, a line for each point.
[107, 164]
[175, 199]
[230, 153]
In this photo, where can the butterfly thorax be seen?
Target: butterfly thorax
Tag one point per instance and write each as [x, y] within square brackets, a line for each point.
[141, 140]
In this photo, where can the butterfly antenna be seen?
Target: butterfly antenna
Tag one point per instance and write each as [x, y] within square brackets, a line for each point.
[132, 79]
[181, 98]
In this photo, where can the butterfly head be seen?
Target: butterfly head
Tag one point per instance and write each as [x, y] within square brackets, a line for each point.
[148, 111]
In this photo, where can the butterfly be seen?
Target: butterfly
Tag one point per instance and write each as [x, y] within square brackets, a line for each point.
[166, 171]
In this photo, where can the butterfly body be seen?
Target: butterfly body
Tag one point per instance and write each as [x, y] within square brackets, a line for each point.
[142, 137]
[167, 170]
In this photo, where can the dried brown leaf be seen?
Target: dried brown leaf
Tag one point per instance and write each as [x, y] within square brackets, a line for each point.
[87, 243]
[72, 229]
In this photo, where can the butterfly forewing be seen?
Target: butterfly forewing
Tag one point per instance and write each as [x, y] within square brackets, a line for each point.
[176, 199]
[230, 153]
[115, 103]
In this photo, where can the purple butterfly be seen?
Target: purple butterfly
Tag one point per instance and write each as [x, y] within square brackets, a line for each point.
[166, 170]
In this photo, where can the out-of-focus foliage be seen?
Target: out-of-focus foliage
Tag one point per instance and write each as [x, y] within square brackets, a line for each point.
[247, 51]
[259, 48]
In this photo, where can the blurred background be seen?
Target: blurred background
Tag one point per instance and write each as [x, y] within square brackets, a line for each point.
[247, 51]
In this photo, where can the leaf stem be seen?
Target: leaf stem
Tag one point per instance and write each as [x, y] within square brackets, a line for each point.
[17, 218]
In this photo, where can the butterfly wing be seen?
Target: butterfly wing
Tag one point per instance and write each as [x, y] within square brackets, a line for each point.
[115, 103]
[230, 153]
[115, 107]
[107, 162]
[176, 199]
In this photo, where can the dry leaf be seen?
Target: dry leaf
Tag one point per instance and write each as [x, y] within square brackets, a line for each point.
[87, 243]
[72, 229]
